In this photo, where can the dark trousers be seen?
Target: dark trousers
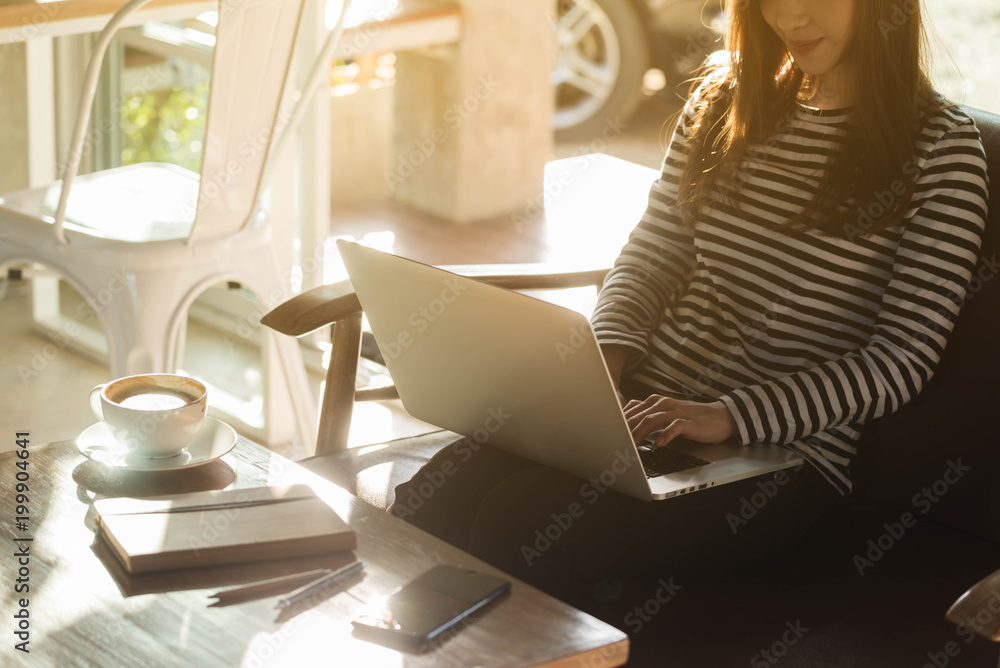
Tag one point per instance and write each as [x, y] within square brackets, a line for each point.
[556, 532]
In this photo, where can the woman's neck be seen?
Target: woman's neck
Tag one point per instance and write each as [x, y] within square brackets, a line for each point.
[828, 91]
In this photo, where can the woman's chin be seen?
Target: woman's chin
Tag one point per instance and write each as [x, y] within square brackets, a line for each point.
[811, 67]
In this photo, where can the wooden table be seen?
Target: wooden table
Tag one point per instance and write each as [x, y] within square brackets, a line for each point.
[85, 611]
[21, 20]
[385, 25]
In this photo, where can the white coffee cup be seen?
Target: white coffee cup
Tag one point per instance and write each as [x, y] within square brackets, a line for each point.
[154, 415]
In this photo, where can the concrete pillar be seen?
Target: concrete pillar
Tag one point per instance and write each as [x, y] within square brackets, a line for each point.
[473, 120]
[361, 144]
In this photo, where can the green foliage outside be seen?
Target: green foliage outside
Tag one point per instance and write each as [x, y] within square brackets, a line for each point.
[166, 125]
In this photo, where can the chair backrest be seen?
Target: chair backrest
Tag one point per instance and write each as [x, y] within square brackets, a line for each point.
[939, 455]
[255, 41]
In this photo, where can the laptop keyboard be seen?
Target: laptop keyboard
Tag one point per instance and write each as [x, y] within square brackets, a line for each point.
[664, 461]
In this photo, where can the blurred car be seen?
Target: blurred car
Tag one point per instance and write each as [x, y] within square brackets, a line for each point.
[607, 49]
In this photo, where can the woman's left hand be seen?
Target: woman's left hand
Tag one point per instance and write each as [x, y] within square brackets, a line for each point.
[704, 423]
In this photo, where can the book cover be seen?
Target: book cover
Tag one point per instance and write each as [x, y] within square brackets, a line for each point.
[221, 527]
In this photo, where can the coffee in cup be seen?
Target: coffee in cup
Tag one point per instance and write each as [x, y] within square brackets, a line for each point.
[154, 415]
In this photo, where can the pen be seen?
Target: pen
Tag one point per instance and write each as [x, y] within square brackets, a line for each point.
[267, 588]
[325, 581]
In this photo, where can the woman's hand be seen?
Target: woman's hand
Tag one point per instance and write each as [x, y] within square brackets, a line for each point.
[704, 423]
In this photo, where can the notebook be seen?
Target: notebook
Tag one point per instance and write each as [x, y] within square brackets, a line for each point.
[220, 527]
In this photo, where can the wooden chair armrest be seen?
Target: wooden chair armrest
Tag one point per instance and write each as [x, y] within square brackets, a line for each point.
[338, 303]
[329, 303]
[313, 309]
[966, 611]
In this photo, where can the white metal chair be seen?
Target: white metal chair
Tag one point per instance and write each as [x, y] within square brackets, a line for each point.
[142, 242]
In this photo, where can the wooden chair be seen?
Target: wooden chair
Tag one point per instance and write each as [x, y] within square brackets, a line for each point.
[337, 304]
[907, 449]
[979, 609]
[591, 204]
[142, 242]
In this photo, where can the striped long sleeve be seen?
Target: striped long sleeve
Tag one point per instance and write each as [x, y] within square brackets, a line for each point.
[804, 338]
[659, 254]
[932, 268]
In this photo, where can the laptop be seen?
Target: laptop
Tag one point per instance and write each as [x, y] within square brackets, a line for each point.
[527, 376]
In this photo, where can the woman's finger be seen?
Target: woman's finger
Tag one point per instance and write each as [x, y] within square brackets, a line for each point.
[637, 418]
[679, 427]
[668, 406]
[649, 424]
[653, 403]
[640, 404]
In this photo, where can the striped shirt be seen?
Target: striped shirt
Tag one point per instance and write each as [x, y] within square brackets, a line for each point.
[803, 338]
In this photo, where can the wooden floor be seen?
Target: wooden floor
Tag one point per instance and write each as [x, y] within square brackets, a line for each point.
[432, 240]
[429, 239]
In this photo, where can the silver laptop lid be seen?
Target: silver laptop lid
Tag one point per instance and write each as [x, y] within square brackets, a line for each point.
[497, 366]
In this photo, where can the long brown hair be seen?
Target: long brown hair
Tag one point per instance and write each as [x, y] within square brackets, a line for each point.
[886, 82]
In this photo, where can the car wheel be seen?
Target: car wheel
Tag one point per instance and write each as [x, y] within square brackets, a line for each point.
[602, 53]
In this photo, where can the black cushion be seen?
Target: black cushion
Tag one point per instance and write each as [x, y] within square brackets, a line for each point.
[888, 613]
[954, 418]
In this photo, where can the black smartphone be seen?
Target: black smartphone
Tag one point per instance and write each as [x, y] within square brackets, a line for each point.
[422, 610]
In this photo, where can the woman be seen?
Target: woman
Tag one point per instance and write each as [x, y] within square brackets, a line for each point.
[798, 270]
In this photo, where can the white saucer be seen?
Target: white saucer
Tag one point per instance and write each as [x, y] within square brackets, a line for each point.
[215, 439]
